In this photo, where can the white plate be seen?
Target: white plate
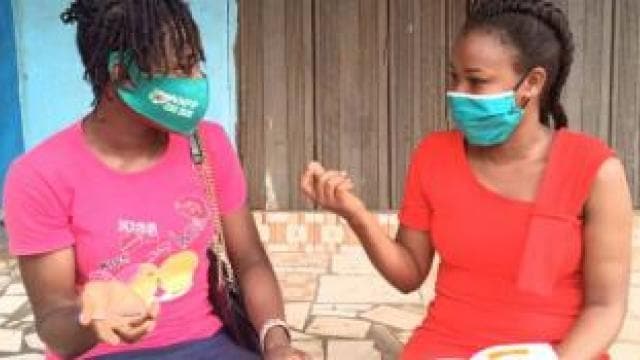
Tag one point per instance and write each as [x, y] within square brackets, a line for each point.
[517, 352]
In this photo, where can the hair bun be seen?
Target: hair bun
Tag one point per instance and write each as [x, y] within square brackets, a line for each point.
[70, 15]
[544, 10]
[78, 11]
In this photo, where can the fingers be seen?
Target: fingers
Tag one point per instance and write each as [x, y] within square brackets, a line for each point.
[136, 321]
[130, 334]
[154, 309]
[324, 186]
[92, 313]
[86, 313]
[345, 186]
[115, 313]
[306, 184]
[105, 332]
[299, 355]
[287, 352]
[314, 169]
[332, 186]
[152, 315]
[118, 329]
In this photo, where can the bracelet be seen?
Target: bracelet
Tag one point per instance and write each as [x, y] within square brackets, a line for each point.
[268, 325]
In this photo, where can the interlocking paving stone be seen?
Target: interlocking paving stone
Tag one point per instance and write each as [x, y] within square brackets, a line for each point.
[361, 289]
[10, 340]
[347, 349]
[385, 340]
[11, 303]
[630, 330]
[298, 286]
[33, 342]
[28, 356]
[338, 327]
[296, 314]
[352, 262]
[312, 347]
[15, 289]
[340, 310]
[625, 351]
[387, 315]
[298, 336]
[5, 280]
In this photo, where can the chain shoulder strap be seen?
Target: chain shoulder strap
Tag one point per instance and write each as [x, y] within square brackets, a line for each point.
[207, 174]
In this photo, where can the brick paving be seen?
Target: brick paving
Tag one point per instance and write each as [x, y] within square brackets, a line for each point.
[338, 306]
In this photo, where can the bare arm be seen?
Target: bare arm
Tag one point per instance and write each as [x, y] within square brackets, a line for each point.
[260, 289]
[50, 283]
[404, 262]
[608, 223]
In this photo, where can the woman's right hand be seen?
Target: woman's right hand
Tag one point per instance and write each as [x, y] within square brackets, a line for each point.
[115, 312]
[332, 190]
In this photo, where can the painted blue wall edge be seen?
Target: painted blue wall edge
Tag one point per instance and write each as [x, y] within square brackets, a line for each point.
[42, 88]
[10, 128]
[52, 92]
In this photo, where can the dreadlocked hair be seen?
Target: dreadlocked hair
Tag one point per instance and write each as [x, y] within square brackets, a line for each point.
[148, 30]
[539, 31]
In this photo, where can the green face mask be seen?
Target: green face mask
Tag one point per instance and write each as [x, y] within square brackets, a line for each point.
[177, 104]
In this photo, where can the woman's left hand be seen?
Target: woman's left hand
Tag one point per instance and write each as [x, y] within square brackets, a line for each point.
[285, 352]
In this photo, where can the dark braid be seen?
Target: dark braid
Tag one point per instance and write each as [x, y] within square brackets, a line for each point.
[148, 29]
[539, 31]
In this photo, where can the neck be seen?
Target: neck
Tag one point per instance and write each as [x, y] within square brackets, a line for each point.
[529, 141]
[113, 129]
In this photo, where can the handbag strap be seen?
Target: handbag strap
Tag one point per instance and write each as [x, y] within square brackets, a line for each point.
[202, 162]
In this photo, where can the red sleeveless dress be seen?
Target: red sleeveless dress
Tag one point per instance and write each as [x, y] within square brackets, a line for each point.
[510, 271]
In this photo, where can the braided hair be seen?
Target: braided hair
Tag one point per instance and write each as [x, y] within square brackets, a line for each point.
[539, 31]
[146, 29]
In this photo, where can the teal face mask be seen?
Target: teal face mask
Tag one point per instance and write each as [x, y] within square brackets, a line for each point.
[485, 120]
[177, 104]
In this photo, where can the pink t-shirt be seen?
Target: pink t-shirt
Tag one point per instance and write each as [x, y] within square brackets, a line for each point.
[150, 228]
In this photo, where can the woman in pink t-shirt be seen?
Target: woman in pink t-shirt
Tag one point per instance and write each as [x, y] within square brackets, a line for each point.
[531, 221]
[110, 218]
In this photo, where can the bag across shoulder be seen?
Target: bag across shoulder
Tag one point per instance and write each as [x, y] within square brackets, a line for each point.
[224, 291]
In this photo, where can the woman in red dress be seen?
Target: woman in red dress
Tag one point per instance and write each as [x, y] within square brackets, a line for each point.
[532, 222]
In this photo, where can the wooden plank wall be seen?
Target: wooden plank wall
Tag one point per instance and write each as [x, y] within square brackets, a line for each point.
[592, 24]
[420, 40]
[249, 51]
[276, 127]
[357, 83]
[351, 93]
[602, 96]
[625, 104]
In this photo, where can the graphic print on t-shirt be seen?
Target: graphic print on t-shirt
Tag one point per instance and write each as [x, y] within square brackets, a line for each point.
[157, 266]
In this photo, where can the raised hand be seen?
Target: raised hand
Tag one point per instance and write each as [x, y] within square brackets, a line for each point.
[333, 190]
